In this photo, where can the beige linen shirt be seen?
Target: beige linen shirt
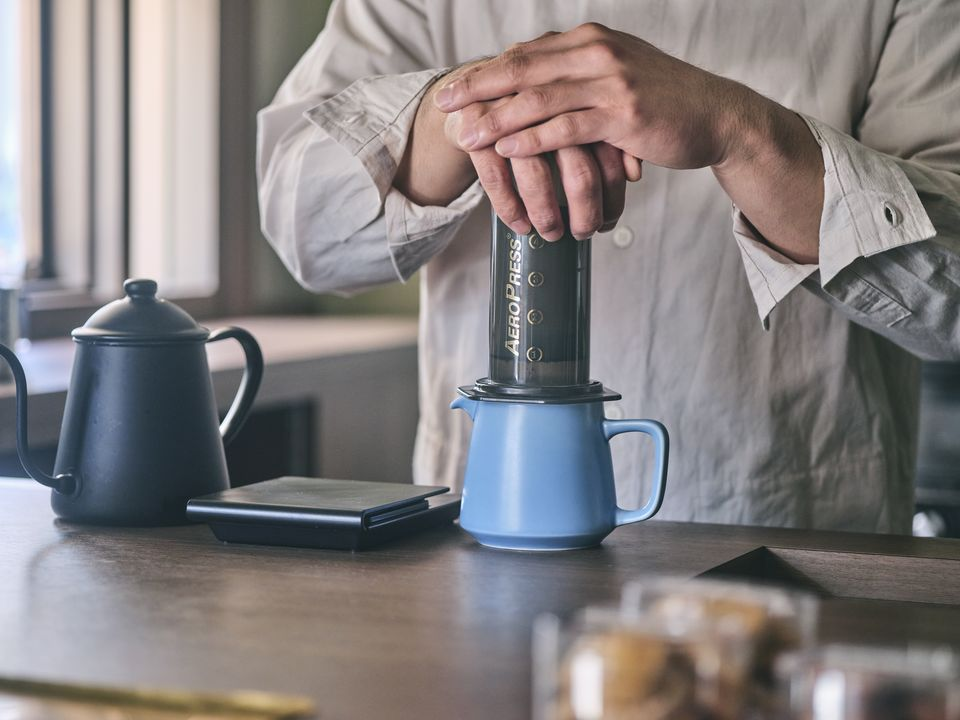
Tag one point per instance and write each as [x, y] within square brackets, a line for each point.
[806, 418]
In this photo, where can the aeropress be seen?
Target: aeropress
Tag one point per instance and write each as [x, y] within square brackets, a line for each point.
[539, 473]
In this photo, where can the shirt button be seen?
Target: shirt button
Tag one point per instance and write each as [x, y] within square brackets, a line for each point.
[614, 412]
[623, 237]
[891, 214]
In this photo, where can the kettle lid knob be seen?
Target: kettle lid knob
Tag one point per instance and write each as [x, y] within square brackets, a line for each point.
[140, 318]
[139, 288]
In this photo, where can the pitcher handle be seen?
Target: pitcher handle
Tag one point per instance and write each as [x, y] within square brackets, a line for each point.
[249, 384]
[65, 482]
[661, 443]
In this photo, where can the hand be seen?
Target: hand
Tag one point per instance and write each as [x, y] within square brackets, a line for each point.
[522, 192]
[594, 84]
[591, 85]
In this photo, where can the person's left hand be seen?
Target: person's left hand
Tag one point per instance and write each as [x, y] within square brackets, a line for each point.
[593, 84]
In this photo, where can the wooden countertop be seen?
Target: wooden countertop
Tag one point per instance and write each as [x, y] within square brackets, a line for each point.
[431, 627]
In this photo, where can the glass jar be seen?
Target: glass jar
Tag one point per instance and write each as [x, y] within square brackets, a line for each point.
[845, 682]
[768, 621]
[598, 664]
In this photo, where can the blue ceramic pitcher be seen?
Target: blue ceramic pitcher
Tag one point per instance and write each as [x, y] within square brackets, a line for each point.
[540, 477]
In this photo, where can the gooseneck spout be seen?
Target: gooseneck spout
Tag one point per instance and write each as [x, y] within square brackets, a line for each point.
[65, 482]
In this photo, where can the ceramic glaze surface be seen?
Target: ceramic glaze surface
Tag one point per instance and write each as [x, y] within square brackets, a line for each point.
[540, 476]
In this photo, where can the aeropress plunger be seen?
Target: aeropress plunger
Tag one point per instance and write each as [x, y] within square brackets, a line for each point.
[539, 474]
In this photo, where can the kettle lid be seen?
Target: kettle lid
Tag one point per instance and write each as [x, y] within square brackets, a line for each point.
[140, 317]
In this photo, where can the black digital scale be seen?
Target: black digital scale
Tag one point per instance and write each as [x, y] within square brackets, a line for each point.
[322, 513]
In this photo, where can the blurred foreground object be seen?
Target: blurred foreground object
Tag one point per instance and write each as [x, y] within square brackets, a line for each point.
[678, 649]
[29, 700]
[843, 682]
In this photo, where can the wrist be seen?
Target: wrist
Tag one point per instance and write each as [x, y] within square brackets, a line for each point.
[771, 167]
[746, 129]
[433, 170]
[756, 130]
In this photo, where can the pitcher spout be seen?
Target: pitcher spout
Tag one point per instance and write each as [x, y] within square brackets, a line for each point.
[466, 404]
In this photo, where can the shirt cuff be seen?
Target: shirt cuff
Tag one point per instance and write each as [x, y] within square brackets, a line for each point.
[771, 274]
[415, 233]
[869, 207]
[372, 120]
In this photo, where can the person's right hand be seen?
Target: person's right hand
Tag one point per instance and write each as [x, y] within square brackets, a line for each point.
[593, 179]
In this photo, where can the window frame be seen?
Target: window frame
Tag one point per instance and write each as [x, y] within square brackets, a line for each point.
[49, 308]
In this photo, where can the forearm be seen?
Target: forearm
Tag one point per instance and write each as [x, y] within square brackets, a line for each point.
[773, 172]
[433, 171]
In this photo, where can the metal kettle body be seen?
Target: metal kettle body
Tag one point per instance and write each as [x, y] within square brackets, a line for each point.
[140, 433]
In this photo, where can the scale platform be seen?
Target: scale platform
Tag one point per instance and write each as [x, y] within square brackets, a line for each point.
[323, 513]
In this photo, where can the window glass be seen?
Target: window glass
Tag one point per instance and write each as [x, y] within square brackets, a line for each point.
[125, 94]
[174, 150]
[11, 236]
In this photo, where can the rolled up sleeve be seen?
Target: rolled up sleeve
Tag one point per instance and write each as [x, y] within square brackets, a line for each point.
[869, 207]
[377, 138]
[889, 254]
[326, 161]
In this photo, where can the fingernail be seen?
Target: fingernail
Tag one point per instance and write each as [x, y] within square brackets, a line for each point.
[468, 138]
[506, 146]
[444, 98]
[553, 237]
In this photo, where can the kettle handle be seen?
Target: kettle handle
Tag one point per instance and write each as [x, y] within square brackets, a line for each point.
[249, 384]
[65, 482]
[661, 444]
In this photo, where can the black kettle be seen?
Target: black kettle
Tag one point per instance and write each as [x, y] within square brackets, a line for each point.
[140, 432]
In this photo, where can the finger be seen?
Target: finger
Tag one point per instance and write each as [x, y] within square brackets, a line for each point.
[534, 180]
[553, 40]
[613, 183]
[515, 70]
[520, 111]
[580, 176]
[494, 174]
[581, 127]
[550, 40]
[454, 123]
[537, 42]
[632, 167]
